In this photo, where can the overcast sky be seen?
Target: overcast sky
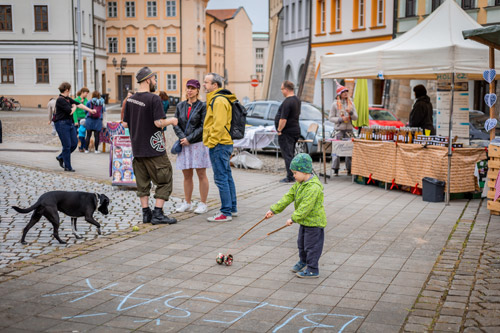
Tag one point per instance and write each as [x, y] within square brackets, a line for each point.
[258, 10]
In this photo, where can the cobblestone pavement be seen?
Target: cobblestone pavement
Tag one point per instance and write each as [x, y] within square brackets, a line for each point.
[22, 187]
[391, 262]
[462, 293]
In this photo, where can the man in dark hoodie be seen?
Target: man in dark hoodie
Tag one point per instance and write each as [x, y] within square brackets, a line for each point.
[421, 114]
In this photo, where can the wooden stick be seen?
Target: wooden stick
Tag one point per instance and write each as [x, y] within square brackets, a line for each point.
[272, 232]
[256, 224]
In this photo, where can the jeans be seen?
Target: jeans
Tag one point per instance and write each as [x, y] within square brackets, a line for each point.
[287, 146]
[96, 139]
[67, 134]
[219, 156]
[310, 244]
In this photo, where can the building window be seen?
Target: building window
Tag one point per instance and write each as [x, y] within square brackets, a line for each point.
[468, 4]
[299, 25]
[171, 82]
[83, 22]
[6, 18]
[497, 2]
[259, 53]
[336, 15]
[380, 12]
[42, 70]
[130, 44]
[322, 16]
[90, 25]
[293, 17]
[436, 4]
[113, 44]
[112, 9]
[7, 67]
[307, 14]
[41, 18]
[259, 68]
[287, 19]
[152, 47]
[151, 9]
[171, 8]
[130, 8]
[410, 8]
[361, 14]
[171, 44]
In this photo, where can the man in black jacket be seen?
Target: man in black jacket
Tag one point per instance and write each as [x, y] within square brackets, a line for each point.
[421, 114]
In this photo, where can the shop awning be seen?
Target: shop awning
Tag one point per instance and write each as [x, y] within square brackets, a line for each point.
[489, 36]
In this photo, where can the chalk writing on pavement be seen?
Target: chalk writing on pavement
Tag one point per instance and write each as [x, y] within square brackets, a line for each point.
[166, 302]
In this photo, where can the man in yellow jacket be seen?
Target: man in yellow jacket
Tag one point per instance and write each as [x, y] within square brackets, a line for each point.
[217, 138]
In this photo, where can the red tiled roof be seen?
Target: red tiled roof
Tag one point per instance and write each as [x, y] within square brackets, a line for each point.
[222, 14]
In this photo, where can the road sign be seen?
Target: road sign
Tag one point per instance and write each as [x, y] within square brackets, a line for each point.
[254, 83]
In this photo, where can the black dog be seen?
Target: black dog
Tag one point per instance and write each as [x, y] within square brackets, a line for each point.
[74, 204]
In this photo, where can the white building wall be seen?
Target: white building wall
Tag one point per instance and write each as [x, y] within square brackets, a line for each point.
[348, 39]
[295, 38]
[24, 45]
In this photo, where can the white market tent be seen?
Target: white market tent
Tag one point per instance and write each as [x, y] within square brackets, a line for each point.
[435, 46]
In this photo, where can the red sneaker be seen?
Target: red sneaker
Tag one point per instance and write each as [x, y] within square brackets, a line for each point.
[219, 217]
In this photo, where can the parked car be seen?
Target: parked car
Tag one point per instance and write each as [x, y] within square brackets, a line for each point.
[383, 117]
[262, 113]
[476, 125]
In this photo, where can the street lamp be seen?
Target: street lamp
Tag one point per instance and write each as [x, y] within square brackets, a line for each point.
[123, 64]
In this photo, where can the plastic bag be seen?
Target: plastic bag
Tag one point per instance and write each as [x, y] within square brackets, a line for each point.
[246, 160]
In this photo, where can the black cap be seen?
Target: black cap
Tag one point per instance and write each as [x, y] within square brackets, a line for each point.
[143, 74]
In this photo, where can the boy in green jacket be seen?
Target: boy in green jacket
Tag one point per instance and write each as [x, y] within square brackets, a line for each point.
[307, 195]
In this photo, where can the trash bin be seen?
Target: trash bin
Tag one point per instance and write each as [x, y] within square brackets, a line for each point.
[432, 189]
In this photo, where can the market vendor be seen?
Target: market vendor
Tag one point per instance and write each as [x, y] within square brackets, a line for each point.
[342, 114]
[421, 113]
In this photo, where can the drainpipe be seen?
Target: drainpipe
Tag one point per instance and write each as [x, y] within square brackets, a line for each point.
[74, 54]
[93, 43]
[210, 43]
[225, 70]
[180, 53]
[308, 57]
[79, 77]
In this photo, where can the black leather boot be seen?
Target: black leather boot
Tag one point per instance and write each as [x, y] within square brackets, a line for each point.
[147, 215]
[159, 218]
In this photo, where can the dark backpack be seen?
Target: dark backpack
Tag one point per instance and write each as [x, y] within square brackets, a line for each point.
[238, 119]
[98, 113]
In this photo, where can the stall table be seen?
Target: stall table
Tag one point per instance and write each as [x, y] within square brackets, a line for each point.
[407, 164]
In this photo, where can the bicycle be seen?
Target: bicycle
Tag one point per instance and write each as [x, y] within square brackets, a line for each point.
[9, 104]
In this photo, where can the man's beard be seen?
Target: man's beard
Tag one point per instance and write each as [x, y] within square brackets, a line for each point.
[152, 87]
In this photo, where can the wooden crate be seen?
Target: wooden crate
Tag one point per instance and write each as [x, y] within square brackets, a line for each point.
[493, 168]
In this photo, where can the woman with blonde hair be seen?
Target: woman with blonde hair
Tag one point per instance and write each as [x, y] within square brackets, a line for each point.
[194, 155]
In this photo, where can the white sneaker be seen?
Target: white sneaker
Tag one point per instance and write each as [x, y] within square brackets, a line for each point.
[86, 152]
[184, 207]
[202, 208]
[97, 152]
[234, 214]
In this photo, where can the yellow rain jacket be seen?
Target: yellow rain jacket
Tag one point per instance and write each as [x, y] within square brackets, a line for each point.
[218, 119]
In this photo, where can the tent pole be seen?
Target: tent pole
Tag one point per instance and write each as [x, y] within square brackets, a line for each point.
[492, 90]
[323, 126]
[450, 139]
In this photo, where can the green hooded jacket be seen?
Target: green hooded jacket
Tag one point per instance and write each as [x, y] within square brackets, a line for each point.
[308, 203]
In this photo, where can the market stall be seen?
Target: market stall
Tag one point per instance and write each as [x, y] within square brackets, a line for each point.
[433, 48]
[406, 164]
[490, 36]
